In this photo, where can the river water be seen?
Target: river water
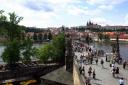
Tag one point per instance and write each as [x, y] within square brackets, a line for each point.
[2, 49]
[108, 48]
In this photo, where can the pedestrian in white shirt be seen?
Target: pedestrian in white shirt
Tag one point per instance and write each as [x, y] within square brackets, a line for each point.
[121, 81]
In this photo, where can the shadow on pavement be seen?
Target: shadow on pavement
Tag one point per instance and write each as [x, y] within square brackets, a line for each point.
[105, 68]
[97, 84]
[98, 79]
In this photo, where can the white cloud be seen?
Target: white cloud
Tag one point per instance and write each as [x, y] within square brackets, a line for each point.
[94, 2]
[105, 4]
[104, 21]
[59, 1]
[74, 10]
[42, 13]
[99, 20]
[31, 17]
[106, 7]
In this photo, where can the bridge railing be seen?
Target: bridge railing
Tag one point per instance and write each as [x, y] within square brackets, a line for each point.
[79, 78]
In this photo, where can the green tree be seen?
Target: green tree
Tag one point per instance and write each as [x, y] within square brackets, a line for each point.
[2, 17]
[100, 36]
[14, 34]
[59, 43]
[106, 38]
[45, 52]
[54, 50]
[11, 53]
[10, 26]
[28, 51]
[13, 30]
[14, 19]
[88, 39]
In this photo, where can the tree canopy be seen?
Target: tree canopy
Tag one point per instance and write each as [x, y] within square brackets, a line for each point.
[54, 50]
[16, 41]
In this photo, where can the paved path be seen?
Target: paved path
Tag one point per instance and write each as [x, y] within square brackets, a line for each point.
[103, 75]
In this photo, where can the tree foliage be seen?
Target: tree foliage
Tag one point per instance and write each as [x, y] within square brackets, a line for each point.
[27, 50]
[14, 19]
[2, 17]
[100, 36]
[45, 52]
[16, 39]
[88, 39]
[11, 53]
[54, 50]
[106, 38]
[59, 44]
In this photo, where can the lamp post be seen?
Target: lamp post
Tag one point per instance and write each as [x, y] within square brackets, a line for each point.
[117, 44]
[115, 47]
[117, 50]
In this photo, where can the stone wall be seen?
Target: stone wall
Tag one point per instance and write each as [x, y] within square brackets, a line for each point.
[76, 76]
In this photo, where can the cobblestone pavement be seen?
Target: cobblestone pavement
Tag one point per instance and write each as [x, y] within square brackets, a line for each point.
[104, 75]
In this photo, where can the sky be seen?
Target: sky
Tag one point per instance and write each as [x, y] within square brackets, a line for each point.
[55, 13]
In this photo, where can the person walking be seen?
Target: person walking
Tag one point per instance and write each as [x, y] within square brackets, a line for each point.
[121, 81]
[124, 64]
[94, 74]
[90, 71]
[113, 71]
[91, 59]
[80, 70]
[96, 61]
[117, 71]
[83, 71]
[88, 81]
[102, 62]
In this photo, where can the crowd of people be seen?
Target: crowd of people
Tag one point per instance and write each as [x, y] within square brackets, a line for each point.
[91, 56]
[88, 57]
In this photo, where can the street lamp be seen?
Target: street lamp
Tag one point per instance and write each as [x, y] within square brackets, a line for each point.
[115, 47]
[117, 44]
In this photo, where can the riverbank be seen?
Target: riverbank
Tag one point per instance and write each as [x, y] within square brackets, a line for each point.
[112, 39]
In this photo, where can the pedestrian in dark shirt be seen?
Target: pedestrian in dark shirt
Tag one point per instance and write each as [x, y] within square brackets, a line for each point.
[113, 71]
[94, 74]
[91, 60]
[90, 71]
[124, 64]
[106, 58]
[117, 71]
[80, 70]
[83, 71]
[96, 61]
[102, 62]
